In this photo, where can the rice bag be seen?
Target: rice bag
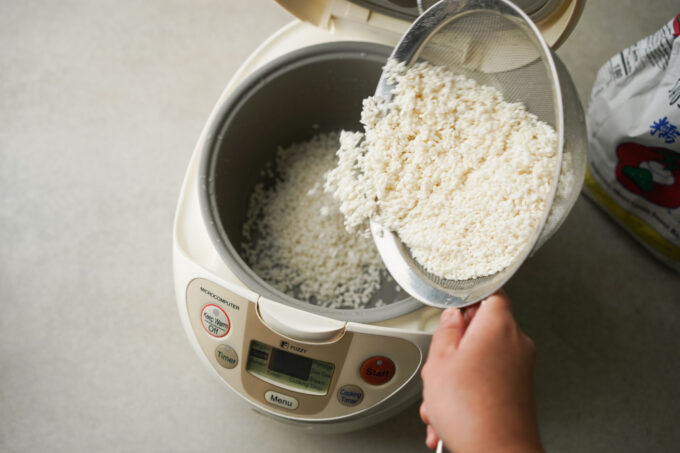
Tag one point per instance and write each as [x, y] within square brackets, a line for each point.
[633, 122]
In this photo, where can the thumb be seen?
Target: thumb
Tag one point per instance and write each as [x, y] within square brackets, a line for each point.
[449, 333]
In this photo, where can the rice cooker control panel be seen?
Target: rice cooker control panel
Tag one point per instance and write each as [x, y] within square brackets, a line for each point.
[350, 373]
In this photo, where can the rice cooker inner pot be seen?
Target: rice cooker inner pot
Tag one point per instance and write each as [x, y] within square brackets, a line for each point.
[312, 90]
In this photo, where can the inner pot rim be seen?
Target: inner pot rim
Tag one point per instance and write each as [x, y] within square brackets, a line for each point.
[207, 175]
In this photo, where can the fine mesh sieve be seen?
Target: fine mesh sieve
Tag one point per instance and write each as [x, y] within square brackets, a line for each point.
[495, 43]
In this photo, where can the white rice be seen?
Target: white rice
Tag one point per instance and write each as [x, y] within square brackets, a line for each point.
[462, 176]
[294, 234]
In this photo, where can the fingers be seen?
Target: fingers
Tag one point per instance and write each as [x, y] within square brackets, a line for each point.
[493, 318]
[431, 438]
[498, 301]
[469, 313]
[496, 306]
[450, 331]
[423, 414]
[426, 420]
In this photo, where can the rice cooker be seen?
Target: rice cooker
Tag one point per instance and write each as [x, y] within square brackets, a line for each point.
[320, 368]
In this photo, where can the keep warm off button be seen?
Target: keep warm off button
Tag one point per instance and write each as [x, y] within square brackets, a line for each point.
[377, 370]
[287, 402]
[215, 321]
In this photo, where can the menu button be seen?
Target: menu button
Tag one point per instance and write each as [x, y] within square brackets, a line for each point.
[285, 401]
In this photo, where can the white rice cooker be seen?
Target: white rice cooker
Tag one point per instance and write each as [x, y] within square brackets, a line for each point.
[321, 368]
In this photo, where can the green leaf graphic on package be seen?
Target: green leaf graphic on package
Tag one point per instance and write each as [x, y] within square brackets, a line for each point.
[652, 173]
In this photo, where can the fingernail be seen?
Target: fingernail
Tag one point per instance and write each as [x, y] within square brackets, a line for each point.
[448, 313]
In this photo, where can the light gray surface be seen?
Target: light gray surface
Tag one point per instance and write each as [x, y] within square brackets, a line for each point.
[100, 105]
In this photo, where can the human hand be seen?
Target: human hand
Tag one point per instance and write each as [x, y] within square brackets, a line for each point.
[478, 382]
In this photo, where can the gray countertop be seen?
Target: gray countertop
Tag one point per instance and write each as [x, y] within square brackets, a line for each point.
[101, 103]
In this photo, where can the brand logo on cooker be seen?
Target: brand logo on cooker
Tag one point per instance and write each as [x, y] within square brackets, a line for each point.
[292, 347]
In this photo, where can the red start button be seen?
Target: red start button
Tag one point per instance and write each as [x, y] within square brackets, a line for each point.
[377, 370]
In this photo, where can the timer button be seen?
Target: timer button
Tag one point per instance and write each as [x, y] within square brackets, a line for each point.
[377, 370]
[226, 356]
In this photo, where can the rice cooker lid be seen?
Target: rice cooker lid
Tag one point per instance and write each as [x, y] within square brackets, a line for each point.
[555, 18]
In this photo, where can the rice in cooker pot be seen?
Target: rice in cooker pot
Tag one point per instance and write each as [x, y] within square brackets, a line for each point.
[462, 176]
[294, 234]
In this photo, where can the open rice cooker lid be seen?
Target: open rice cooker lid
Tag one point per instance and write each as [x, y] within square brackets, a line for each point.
[555, 18]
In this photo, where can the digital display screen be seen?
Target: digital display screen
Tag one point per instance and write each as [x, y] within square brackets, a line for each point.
[290, 364]
[288, 370]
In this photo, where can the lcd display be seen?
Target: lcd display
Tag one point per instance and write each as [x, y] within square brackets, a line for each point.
[288, 370]
[290, 364]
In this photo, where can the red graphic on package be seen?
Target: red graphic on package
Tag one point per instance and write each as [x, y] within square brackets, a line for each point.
[652, 173]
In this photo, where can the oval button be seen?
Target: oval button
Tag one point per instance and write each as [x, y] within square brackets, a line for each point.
[278, 399]
[350, 395]
[377, 370]
[226, 356]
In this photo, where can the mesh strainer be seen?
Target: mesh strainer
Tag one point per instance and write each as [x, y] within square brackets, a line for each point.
[495, 43]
